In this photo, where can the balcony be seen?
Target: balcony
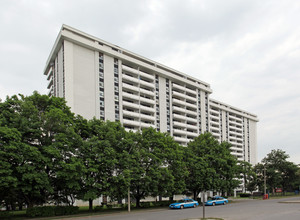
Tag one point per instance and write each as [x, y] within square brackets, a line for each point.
[180, 139]
[147, 92]
[131, 114]
[147, 84]
[131, 123]
[129, 69]
[179, 87]
[130, 87]
[178, 102]
[147, 125]
[193, 106]
[193, 120]
[147, 109]
[132, 105]
[149, 101]
[179, 124]
[180, 117]
[146, 75]
[130, 79]
[178, 131]
[179, 109]
[191, 112]
[193, 127]
[129, 96]
[147, 117]
[214, 117]
[192, 134]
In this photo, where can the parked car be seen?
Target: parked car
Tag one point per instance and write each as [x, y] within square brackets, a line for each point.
[184, 203]
[217, 200]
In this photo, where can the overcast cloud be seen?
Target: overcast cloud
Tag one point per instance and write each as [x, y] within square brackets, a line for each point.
[247, 50]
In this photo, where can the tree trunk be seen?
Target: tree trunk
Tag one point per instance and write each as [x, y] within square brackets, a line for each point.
[171, 198]
[90, 205]
[137, 202]
[195, 195]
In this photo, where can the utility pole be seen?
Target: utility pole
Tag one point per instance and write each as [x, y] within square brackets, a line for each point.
[265, 182]
[128, 199]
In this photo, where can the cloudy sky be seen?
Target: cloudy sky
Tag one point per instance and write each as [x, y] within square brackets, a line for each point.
[247, 50]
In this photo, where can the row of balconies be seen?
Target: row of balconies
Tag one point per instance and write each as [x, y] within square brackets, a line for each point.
[184, 89]
[234, 118]
[137, 89]
[184, 96]
[138, 115]
[183, 103]
[136, 123]
[138, 72]
[137, 81]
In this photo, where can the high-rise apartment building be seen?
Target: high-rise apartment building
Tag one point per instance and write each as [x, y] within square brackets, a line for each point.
[99, 79]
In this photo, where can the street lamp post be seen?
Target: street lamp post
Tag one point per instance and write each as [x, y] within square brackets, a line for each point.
[203, 204]
[128, 198]
[265, 182]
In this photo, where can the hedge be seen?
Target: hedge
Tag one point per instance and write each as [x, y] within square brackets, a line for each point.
[47, 211]
[245, 194]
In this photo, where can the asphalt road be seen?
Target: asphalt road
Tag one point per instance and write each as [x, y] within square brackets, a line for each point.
[273, 209]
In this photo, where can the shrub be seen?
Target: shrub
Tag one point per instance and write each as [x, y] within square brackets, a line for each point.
[145, 204]
[245, 194]
[98, 208]
[47, 211]
[43, 211]
[162, 203]
[5, 215]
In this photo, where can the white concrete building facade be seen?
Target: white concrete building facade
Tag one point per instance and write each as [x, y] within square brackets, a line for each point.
[99, 79]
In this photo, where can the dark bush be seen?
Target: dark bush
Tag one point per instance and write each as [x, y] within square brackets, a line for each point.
[245, 194]
[98, 208]
[145, 204]
[42, 211]
[163, 203]
[47, 211]
[5, 215]
[71, 210]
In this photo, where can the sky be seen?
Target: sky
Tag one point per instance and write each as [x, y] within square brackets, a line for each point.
[247, 50]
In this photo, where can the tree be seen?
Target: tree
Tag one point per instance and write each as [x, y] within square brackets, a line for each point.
[148, 168]
[248, 175]
[9, 148]
[280, 172]
[201, 163]
[49, 143]
[211, 166]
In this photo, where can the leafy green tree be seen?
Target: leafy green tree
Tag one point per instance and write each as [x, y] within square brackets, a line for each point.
[280, 173]
[176, 164]
[103, 153]
[211, 166]
[227, 168]
[248, 175]
[201, 161]
[148, 168]
[9, 156]
[46, 131]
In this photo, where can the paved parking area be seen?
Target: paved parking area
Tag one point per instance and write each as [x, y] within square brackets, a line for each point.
[272, 209]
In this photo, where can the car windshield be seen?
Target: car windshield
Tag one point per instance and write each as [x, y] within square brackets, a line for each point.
[182, 201]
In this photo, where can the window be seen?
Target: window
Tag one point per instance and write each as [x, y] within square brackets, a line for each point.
[101, 84]
[101, 94]
[101, 103]
[101, 113]
[116, 97]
